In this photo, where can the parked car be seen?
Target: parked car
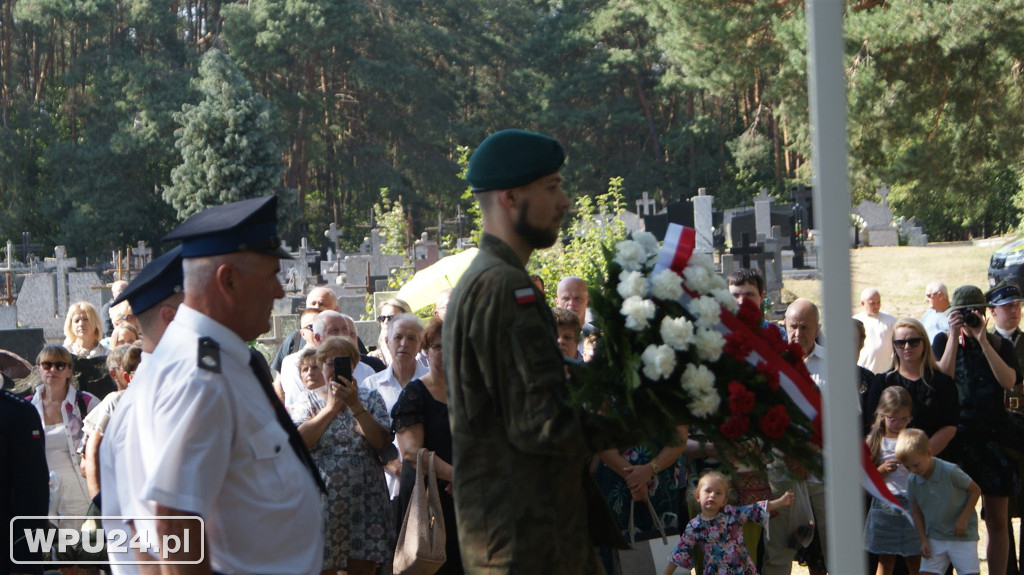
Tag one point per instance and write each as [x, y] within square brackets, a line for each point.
[1007, 263]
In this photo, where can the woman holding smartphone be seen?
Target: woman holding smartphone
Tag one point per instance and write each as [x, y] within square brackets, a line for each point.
[344, 427]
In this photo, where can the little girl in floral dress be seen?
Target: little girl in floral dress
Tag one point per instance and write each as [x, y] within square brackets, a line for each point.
[718, 529]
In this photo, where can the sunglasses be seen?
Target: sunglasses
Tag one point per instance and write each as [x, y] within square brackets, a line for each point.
[910, 341]
[48, 365]
[384, 318]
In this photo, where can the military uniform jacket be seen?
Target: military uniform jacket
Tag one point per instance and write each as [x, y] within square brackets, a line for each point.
[518, 448]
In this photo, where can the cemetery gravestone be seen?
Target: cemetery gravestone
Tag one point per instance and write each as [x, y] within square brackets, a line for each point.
[702, 222]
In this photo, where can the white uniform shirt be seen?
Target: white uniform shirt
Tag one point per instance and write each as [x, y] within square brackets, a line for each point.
[387, 386]
[876, 354]
[211, 445]
[116, 477]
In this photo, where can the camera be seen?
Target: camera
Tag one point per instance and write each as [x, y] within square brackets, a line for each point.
[969, 318]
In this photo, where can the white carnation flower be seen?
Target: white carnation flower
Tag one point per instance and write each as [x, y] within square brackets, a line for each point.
[709, 344]
[706, 311]
[659, 361]
[718, 282]
[666, 285]
[630, 255]
[725, 299]
[703, 261]
[705, 405]
[648, 241]
[698, 380]
[632, 284]
[697, 278]
[638, 312]
[677, 332]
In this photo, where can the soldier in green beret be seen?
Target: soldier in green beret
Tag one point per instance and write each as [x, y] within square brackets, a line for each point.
[520, 476]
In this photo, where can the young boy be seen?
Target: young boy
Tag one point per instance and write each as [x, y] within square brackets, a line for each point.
[943, 497]
[568, 325]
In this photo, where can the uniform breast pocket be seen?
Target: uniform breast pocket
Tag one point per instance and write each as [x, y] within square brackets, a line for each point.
[270, 453]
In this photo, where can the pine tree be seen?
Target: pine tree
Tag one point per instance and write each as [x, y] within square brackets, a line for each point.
[228, 149]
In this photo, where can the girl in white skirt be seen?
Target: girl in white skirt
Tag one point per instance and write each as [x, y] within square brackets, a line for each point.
[888, 533]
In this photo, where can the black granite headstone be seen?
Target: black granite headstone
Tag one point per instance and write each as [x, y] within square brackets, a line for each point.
[26, 342]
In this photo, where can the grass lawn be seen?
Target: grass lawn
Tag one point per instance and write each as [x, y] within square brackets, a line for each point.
[901, 273]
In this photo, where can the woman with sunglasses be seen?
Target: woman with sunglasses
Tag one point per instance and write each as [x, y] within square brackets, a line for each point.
[62, 408]
[388, 310]
[936, 403]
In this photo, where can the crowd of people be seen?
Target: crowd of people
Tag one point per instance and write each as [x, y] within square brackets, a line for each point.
[306, 464]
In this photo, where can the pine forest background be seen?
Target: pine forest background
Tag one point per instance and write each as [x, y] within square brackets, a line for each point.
[118, 118]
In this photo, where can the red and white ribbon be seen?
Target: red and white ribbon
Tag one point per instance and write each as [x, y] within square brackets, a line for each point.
[675, 254]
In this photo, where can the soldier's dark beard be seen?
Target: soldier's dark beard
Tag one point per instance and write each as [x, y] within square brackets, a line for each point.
[537, 238]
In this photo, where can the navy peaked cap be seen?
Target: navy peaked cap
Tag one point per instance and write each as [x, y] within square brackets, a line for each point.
[160, 279]
[245, 226]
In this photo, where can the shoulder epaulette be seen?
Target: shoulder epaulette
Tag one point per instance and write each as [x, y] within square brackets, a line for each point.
[209, 354]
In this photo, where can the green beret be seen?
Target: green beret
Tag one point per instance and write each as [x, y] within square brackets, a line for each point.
[513, 158]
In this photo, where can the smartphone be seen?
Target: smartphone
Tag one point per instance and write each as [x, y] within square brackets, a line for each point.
[342, 368]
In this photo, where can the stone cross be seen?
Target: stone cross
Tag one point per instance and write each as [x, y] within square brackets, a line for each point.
[333, 234]
[883, 191]
[763, 213]
[301, 266]
[142, 255]
[645, 206]
[745, 250]
[63, 264]
[702, 222]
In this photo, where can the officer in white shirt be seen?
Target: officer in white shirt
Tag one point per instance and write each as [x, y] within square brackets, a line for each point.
[214, 439]
[154, 295]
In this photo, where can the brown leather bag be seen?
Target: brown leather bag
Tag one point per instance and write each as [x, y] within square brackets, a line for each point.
[420, 549]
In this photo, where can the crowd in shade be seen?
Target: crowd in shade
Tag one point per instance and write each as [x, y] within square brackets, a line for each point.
[308, 463]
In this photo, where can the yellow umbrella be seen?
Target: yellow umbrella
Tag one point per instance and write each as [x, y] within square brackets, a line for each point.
[423, 288]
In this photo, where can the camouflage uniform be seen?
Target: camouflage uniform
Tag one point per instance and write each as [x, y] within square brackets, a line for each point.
[519, 449]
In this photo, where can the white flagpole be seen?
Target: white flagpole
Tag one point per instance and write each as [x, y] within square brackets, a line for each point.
[843, 495]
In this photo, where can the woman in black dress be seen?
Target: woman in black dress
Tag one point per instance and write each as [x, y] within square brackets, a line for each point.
[420, 419]
[936, 401]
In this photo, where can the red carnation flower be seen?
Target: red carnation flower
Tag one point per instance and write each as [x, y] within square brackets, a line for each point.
[740, 400]
[773, 336]
[735, 427]
[796, 352]
[775, 422]
[750, 315]
[737, 345]
[771, 376]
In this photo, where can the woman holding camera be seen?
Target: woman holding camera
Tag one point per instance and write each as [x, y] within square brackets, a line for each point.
[344, 427]
[982, 365]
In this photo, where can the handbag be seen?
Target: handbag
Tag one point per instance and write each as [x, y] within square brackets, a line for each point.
[420, 549]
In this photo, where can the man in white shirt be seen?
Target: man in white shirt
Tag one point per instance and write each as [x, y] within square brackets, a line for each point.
[331, 324]
[876, 354]
[935, 320]
[288, 384]
[802, 326]
[215, 441]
